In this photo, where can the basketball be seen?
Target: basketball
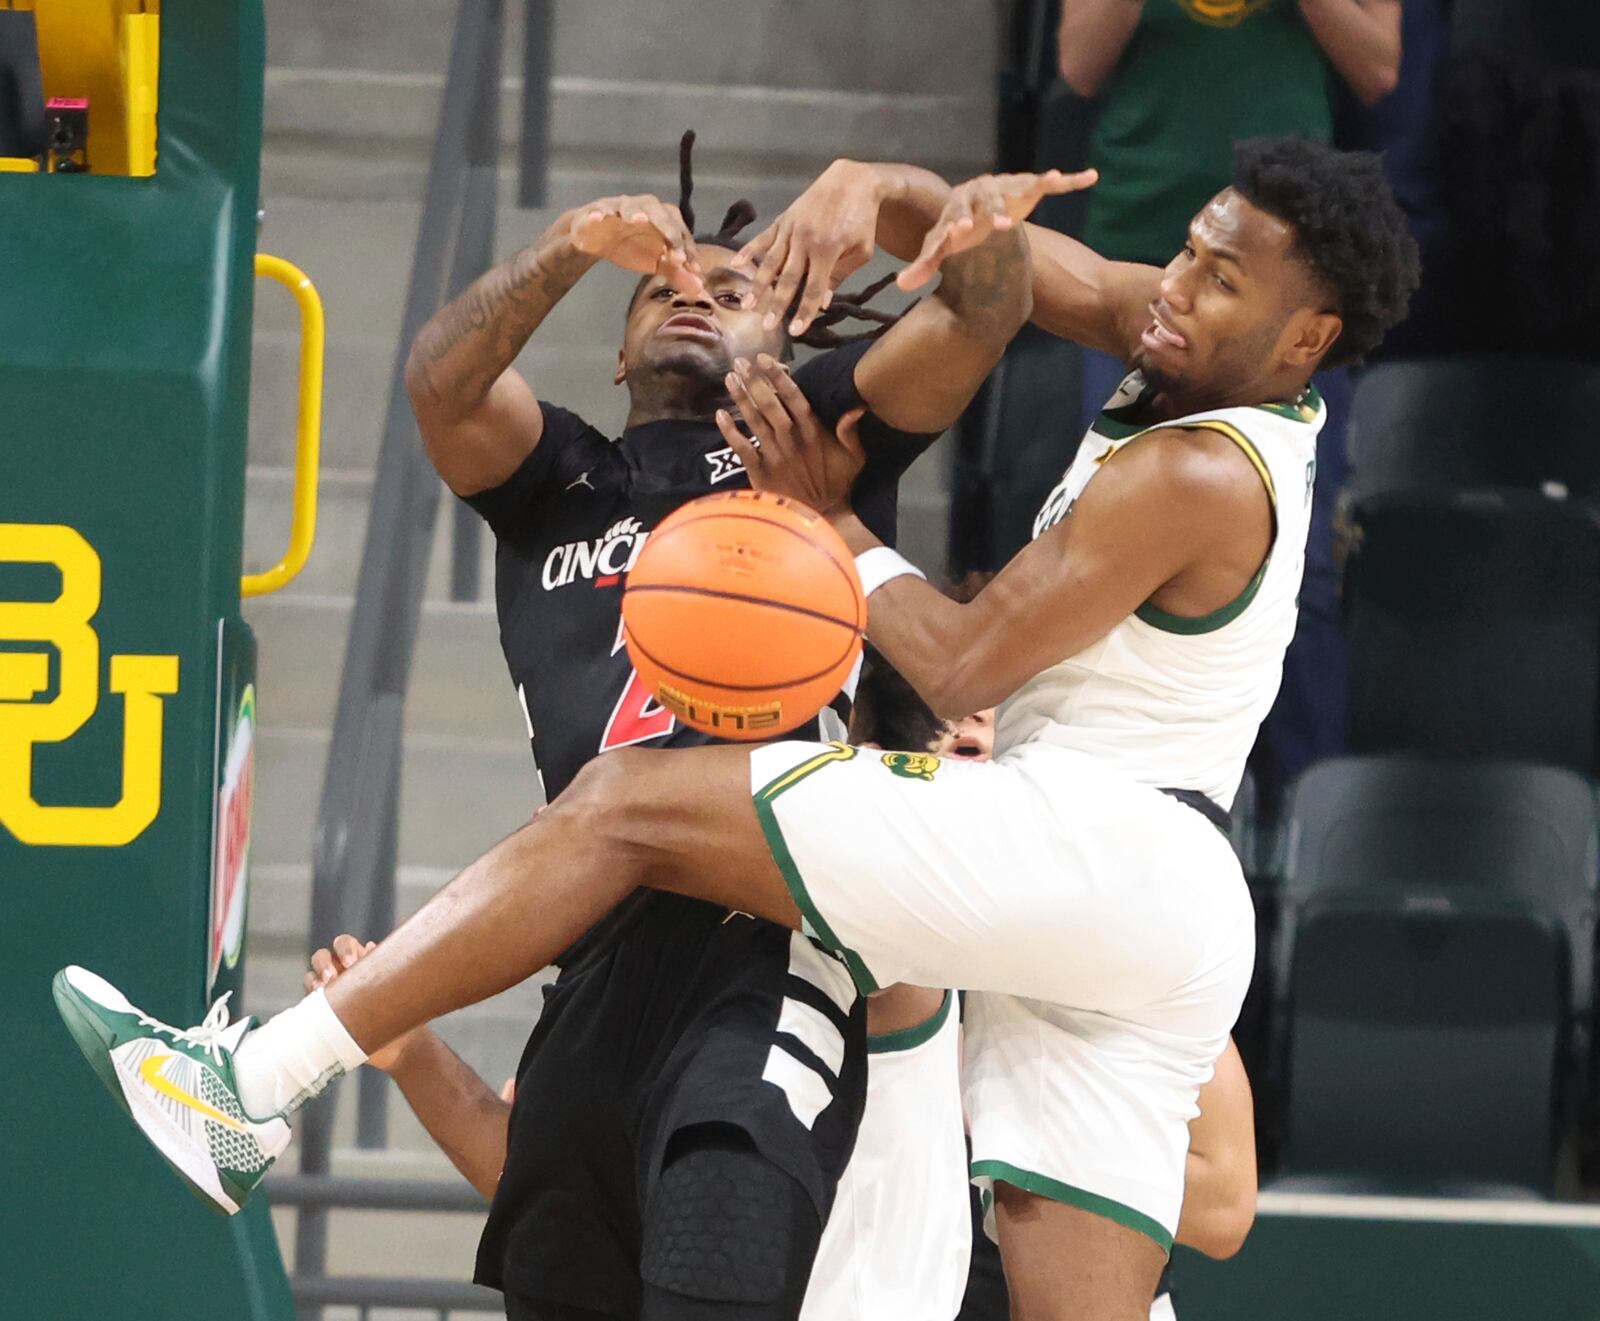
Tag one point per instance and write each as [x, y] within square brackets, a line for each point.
[744, 614]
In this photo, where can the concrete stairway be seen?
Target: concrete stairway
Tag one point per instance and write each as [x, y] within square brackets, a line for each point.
[775, 90]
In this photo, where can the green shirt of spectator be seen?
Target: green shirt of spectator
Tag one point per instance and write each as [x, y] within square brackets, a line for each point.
[1181, 80]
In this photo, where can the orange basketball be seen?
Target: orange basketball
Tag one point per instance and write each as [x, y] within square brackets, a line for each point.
[744, 614]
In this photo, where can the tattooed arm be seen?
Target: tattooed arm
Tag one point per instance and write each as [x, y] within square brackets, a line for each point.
[925, 369]
[478, 415]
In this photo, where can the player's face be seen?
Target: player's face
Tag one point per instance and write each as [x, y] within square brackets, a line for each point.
[968, 739]
[696, 334]
[1234, 306]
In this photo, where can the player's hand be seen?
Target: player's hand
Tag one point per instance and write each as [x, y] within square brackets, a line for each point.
[980, 207]
[789, 452]
[642, 234]
[326, 967]
[827, 234]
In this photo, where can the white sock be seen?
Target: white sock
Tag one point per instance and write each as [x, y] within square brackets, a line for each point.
[293, 1056]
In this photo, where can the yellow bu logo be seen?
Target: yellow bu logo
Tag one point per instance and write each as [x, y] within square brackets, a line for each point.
[26, 721]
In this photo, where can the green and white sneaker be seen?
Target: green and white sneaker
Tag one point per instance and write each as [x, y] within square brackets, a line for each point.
[177, 1084]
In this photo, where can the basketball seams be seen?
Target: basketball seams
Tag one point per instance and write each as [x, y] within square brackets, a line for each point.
[823, 673]
[829, 553]
[718, 594]
[725, 615]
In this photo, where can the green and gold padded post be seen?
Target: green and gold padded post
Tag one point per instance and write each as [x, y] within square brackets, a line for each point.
[126, 672]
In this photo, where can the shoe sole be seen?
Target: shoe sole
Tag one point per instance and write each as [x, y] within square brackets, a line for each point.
[96, 1050]
[86, 1035]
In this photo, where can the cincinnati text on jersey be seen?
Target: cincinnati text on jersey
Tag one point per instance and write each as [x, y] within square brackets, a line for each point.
[601, 561]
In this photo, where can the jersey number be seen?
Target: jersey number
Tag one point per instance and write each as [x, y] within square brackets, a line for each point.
[638, 716]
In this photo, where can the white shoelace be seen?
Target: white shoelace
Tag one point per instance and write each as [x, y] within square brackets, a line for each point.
[212, 1026]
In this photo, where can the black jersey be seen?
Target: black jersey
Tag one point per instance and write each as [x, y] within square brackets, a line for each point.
[676, 1025]
[668, 1013]
[572, 519]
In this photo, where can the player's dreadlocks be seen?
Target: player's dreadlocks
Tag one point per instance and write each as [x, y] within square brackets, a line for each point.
[844, 307]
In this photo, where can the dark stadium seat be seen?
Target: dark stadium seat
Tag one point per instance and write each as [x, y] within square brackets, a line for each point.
[1425, 1047]
[1485, 420]
[1357, 827]
[1434, 967]
[1474, 627]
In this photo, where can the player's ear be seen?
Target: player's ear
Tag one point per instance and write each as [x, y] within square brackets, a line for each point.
[622, 368]
[1314, 336]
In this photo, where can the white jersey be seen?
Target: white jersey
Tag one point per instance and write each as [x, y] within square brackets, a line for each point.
[1175, 702]
[897, 1244]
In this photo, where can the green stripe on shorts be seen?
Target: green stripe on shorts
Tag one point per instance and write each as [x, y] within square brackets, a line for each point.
[815, 924]
[918, 1034]
[1057, 1191]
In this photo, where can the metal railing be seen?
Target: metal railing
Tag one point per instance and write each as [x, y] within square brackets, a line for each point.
[355, 842]
[316, 1194]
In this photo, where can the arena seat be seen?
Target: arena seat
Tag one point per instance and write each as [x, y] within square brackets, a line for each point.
[1479, 420]
[1434, 966]
[1425, 1048]
[1474, 627]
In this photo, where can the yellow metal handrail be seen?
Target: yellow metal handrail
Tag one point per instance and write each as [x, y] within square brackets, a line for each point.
[308, 434]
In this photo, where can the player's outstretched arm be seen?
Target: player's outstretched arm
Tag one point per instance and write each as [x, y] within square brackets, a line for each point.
[1082, 296]
[478, 416]
[1180, 519]
[1179, 510]
[984, 296]
[461, 1112]
[924, 370]
[1220, 1183]
[829, 231]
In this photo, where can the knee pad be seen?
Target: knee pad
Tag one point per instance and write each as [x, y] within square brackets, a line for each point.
[724, 1225]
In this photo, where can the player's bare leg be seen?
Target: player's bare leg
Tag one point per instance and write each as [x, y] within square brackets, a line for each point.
[215, 1102]
[682, 821]
[1063, 1263]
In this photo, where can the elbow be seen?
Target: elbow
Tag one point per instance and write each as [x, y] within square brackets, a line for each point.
[954, 697]
[419, 386]
[1079, 80]
[1083, 75]
[1024, 308]
[997, 326]
[941, 698]
[1380, 80]
[1223, 1229]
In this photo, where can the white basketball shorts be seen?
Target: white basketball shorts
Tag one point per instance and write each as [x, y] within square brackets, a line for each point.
[1104, 928]
[899, 1240]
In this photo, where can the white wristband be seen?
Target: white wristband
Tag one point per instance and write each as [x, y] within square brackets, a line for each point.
[878, 565]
